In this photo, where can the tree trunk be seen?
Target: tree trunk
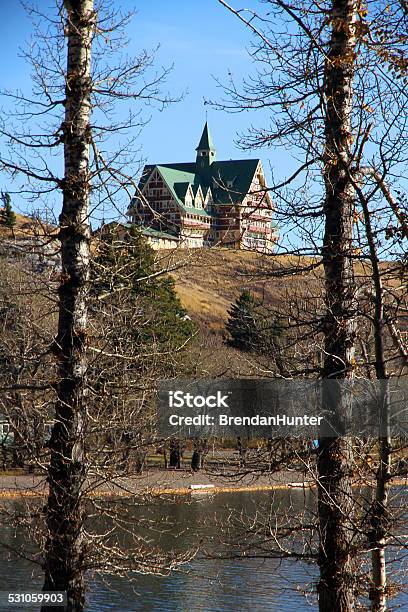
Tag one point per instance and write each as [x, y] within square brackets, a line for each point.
[64, 568]
[379, 511]
[196, 461]
[200, 449]
[335, 460]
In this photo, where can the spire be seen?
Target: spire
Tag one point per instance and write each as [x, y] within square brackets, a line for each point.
[206, 142]
[205, 149]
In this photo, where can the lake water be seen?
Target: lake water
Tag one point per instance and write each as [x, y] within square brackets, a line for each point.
[216, 585]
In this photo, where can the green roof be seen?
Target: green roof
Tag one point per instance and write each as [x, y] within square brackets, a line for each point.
[181, 189]
[154, 233]
[229, 180]
[145, 230]
[206, 141]
[192, 210]
[178, 182]
[240, 172]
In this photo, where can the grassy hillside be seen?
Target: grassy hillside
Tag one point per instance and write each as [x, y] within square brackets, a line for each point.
[25, 227]
[208, 280]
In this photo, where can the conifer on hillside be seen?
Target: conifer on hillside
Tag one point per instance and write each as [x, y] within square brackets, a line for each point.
[128, 262]
[8, 214]
[250, 326]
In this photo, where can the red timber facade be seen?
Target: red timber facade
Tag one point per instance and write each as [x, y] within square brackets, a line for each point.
[207, 202]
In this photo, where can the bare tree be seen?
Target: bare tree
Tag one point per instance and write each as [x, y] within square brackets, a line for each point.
[64, 550]
[386, 297]
[321, 74]
[83, 85]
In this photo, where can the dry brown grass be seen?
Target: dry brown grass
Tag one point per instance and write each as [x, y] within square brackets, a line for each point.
[209, 280]
[26, 227]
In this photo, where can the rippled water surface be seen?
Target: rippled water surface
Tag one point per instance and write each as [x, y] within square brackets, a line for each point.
[217, 585]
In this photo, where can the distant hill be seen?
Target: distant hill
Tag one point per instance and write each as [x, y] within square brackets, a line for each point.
[211, 279]
[25, 226]
[30, 240]
[207, 280]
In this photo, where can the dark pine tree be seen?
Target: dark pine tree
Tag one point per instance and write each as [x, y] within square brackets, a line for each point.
[166, 324]
[250, 326]
[241, 324]
[9, 217]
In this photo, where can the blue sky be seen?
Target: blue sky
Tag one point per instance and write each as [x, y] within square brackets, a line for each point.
[201, 38]
[204, 41]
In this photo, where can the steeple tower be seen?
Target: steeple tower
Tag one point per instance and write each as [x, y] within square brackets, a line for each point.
[205, 150]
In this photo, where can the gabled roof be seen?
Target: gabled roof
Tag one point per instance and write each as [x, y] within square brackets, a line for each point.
[178, 181]
[197, 188]
[240, 171]
[181, 189]
[229, 181]
[206, 142]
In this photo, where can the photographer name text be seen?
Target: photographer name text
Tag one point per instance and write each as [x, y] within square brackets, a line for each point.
[226, 420]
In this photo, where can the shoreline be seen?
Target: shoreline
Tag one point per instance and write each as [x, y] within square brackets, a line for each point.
[156, 492]
[175, 482]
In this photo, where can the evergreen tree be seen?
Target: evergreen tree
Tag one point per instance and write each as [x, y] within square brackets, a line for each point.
[249, 325]
[241, 324]
[9, 217]
[129, 262]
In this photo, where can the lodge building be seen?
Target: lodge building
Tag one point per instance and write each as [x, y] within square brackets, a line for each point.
[206, 202]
